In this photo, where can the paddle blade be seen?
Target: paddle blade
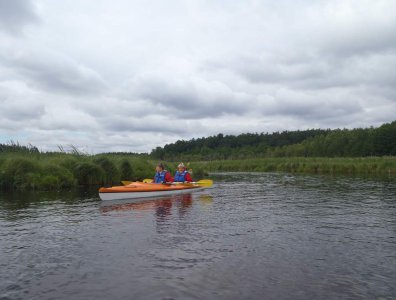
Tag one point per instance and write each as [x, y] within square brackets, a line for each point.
[147, 180]
[205, 182]
[126, 182]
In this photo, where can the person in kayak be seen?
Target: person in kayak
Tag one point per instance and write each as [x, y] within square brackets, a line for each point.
[162, 175]
[182, 175]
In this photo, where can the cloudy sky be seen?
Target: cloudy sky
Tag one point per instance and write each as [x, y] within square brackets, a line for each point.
[129, 75]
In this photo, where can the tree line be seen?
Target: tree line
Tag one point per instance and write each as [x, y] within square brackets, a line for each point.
[13, 146]
[358, 142]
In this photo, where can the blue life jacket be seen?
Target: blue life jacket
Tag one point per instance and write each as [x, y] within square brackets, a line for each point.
[160, 176]
[180, 176]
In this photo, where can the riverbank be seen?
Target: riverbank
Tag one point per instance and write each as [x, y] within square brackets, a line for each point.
[58, 171]
[379, 166]
[52, 171]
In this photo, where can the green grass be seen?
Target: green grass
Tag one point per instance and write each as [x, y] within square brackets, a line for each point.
[59, 171]
[318, 165]
[55, 171]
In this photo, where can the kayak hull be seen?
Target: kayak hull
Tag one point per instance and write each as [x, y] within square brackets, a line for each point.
[145, 190]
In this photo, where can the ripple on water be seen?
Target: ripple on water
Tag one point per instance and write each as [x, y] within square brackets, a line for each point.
[252, 236]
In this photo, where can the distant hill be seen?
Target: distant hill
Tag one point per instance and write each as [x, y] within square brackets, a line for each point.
[308, 143]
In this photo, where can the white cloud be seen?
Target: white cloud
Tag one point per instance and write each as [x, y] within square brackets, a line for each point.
[19, 103]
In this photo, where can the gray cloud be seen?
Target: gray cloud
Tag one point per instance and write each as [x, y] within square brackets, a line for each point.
[53, 72]
[316, 71]
[190, 97]
[16, 14]
[314, 105]
[131, 77]
[19, 103]
[152, 124]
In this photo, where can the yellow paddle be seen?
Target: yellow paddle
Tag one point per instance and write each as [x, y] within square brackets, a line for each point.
[203, 182]
[126, 182]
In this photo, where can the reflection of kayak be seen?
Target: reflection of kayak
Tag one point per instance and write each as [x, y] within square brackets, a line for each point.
[145, 190]
[148, 204]
[121, 205]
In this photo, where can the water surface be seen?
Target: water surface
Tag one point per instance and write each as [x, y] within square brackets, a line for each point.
[253, 236]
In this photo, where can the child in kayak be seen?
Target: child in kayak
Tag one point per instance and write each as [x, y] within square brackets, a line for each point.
[162, 175]
[182, 175]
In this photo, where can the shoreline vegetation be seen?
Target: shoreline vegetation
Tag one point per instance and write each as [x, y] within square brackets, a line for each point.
[367, 152]
[366, 166]
[62, 171]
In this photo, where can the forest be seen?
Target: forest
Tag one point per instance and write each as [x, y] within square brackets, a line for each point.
[359, 142]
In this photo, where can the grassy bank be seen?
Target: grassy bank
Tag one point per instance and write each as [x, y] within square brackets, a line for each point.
[56, 171]
[44, 171]
[380, 166]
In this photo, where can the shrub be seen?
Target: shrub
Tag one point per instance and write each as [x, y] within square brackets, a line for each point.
[49, 182]
[29, 181]
[69, 162]
[126, 171]
[143, 169]
[65, 178]
[88, 173]
[111, 173]
[15, 173]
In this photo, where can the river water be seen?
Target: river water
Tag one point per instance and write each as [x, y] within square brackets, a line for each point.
[252, 236]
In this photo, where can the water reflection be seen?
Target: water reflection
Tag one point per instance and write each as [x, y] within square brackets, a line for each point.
[162, 207]
[261, 236]
[206, 200]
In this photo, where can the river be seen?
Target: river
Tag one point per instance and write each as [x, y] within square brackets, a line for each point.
[252, 236]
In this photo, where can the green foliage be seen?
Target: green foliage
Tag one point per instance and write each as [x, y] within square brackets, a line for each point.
[357, 151]
[321, 165]
[309, 143]
[68, 162]
[17, 173]
[231, 147]
[27, 173]
[126, 171]
[385, 139]
[17, 148]
[143, 169]
[199, 173]
[49, 182]
[57, 177]
[56, 170]
[88, 173]
[110, 171]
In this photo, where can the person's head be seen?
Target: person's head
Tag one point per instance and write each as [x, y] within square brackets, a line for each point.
[181, 167]
[159, 167]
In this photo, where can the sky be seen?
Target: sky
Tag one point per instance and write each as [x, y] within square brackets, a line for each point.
[131, 75]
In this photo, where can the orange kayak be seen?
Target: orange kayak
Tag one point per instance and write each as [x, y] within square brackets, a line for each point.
[145, 190]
